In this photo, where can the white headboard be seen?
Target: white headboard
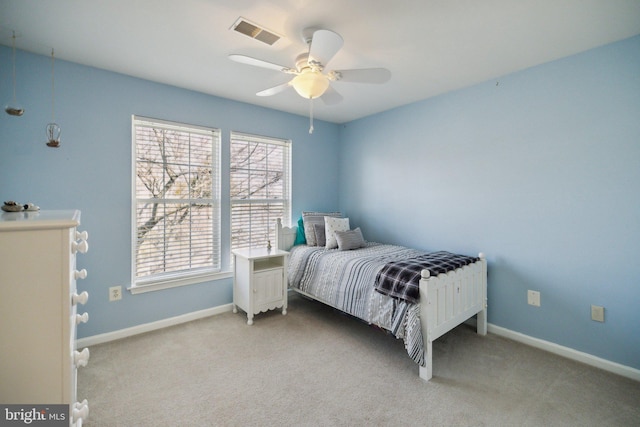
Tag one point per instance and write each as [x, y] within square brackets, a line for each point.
[285, 236]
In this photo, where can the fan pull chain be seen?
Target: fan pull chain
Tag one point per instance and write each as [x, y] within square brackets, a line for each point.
[310, 115]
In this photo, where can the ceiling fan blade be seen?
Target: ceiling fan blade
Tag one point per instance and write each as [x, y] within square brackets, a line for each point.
[363, 75]
[258, 62]
[324, 45]
[331, 96]
[274, 90]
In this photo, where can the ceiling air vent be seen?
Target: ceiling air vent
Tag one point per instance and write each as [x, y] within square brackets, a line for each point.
[254, 31]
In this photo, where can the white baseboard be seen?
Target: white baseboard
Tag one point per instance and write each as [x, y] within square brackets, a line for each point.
[147, 327]
[569, 353]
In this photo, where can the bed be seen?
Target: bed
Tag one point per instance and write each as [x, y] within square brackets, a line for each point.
[353, 281]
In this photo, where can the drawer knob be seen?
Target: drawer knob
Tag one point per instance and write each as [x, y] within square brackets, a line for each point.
[80, 299]
[81, 358]
[81, 246]
[80, 411]
[82, 235]
[82, 274]
[82, 318]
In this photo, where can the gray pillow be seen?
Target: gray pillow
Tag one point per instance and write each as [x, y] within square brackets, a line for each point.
[311, 218]
[351, 239]
[319, 231]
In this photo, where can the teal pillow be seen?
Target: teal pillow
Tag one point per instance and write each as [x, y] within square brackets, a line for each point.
[300, 239]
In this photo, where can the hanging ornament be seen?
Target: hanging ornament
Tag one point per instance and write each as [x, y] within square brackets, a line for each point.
[53, 130]
[14, 109]
[53, 135]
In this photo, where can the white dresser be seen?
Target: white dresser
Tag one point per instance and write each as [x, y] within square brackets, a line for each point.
[40, 308]
[259, 281]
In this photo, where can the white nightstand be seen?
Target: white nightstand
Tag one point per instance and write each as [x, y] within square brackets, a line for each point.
[259, 281]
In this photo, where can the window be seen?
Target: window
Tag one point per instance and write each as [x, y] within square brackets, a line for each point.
[176, 224]
[260, 185]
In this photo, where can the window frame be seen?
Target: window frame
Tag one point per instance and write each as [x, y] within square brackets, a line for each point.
[287, 180]
[190, 276]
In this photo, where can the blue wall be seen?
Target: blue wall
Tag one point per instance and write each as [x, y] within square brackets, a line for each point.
[540, 170]
[92, 170]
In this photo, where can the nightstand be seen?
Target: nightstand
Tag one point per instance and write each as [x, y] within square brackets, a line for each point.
[259, 280]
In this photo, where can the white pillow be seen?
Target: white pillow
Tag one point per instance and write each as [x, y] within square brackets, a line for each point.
[331, 225]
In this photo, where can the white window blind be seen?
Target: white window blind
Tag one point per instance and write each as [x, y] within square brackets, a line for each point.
[177, 206]
[260, 183]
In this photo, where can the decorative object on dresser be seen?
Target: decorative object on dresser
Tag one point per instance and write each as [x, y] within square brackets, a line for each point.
[415, 295]
[38, 309]
[11, 206]
[259, 280]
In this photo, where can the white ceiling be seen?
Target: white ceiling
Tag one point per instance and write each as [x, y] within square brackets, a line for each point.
[430, 46]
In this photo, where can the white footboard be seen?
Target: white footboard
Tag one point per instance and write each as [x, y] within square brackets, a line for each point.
[447, 301]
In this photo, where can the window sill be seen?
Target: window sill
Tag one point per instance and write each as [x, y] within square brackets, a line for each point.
[174, 283]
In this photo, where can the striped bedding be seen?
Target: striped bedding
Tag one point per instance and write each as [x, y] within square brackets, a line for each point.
[345, 280]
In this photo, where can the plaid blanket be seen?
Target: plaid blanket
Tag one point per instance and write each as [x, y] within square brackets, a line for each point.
[401, 279]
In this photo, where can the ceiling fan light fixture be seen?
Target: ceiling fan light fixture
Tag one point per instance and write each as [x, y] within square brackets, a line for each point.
[310, 84]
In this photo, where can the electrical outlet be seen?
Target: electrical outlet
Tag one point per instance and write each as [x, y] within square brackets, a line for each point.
[597, 313]
[115, 293]
[533, 298]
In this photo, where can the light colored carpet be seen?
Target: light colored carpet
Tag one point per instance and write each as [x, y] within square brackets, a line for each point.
[315, 366]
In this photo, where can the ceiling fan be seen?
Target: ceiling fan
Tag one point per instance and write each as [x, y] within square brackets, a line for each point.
[309, 79]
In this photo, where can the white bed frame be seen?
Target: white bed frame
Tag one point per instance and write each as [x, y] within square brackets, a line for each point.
[446, 300]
